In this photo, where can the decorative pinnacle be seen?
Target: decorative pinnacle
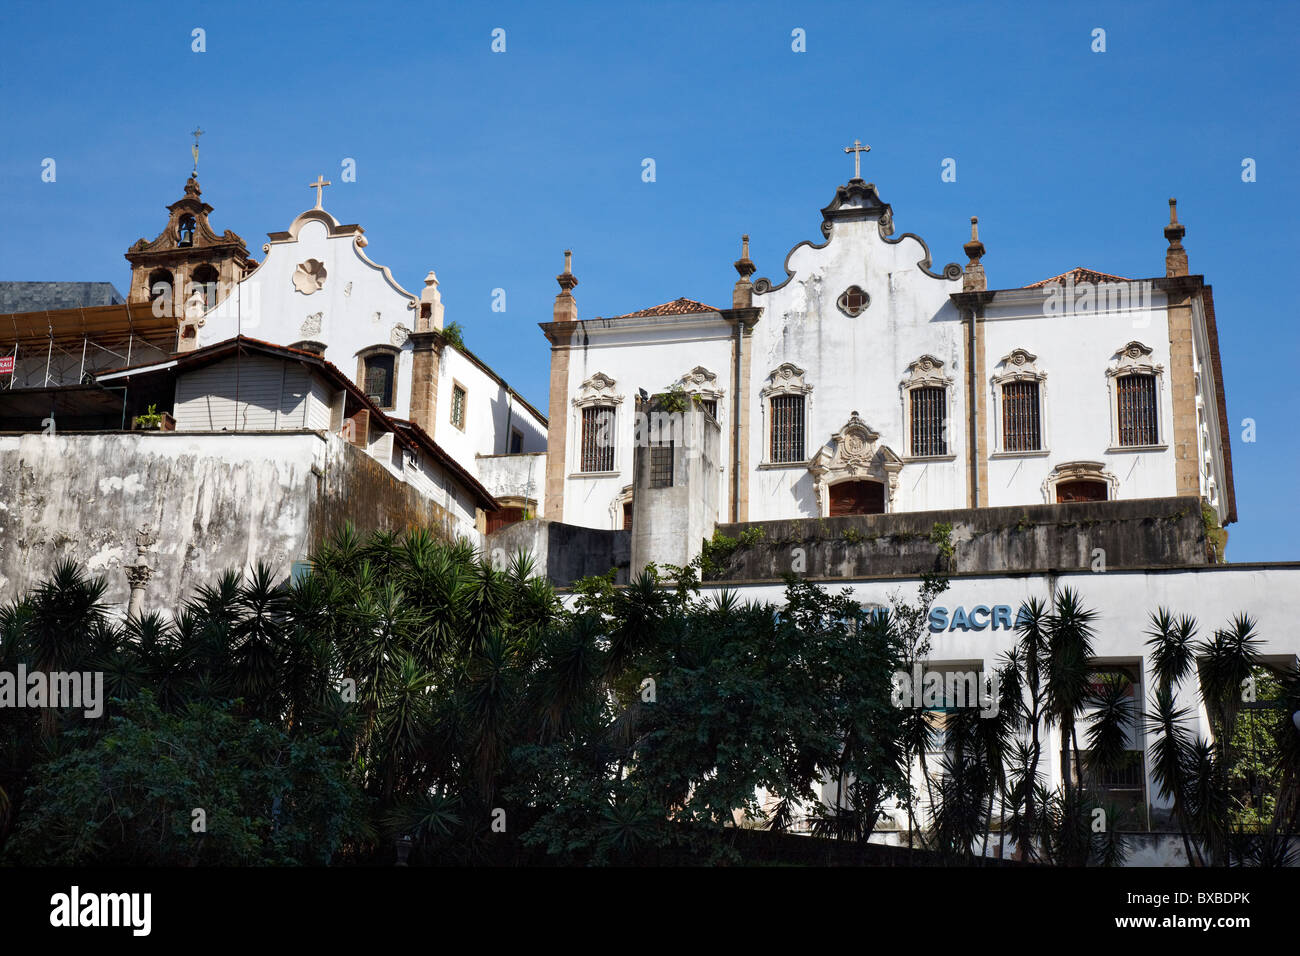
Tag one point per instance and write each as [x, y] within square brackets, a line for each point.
[974, 249]
[567, 279]
[744, 265]
[1175, 231]
[195, 149]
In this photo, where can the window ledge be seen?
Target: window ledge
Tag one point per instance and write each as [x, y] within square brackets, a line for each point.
[777, 465]
[1120, 449]
[594, 474]
[1036, 453]
[921, 459]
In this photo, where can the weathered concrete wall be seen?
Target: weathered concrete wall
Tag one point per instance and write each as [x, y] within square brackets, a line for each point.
[1149, 532]
[215, 502]
[563, 553]
[515, 476]
[669, 524]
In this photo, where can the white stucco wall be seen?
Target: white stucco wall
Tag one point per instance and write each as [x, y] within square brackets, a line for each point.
[1074, 350]
[649, 353]
[856, 363]
[516, 476]
[359, 305]
[492, 412]
[860, 364]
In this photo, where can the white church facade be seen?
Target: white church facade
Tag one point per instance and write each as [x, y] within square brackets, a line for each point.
[865, 379]
[318, 291]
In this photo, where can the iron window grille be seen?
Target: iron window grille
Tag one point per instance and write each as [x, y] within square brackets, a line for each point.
[661, 465]
[928, 421]
[597, 438]
[1021, 430]
[787, 428]
[458, 406]
[1138, 411]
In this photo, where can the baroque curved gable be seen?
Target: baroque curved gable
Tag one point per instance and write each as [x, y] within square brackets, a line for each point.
[854, 202]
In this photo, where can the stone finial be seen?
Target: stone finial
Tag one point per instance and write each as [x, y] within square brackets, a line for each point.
[744, 265]
[974, 280]
[566, 307]
[430, 318]
[742, 295]
[1175, 255]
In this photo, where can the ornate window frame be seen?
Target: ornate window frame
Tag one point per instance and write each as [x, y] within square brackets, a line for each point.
[854, 453]
[1018, 365]
[786, 379]
[927, 372]
[370, 352]
[841, 302]
[1073, 470]
[1135, 358]
[703, 383]
[598, 389]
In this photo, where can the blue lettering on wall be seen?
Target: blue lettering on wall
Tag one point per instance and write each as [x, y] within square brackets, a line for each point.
[979, 618]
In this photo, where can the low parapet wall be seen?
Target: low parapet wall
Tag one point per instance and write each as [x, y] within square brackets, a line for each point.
[1144, 532]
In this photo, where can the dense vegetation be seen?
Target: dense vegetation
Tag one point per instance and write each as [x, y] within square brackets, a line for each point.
[408, 688]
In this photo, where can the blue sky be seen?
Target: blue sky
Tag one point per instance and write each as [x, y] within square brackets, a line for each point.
[485, 166]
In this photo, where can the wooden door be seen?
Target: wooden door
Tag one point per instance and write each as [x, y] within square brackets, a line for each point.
[857, 498]
[1081, 489]
[496, 520]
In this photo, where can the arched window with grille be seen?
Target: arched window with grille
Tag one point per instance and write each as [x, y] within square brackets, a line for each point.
[597, 425]
[1136, 383]
[1139, 419]
[1019, 425]
[925, 407]
[597, 438]
[929, 418]
[785, 402]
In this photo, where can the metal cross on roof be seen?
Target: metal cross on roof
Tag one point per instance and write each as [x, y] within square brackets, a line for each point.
[195, 148]
[857, 149]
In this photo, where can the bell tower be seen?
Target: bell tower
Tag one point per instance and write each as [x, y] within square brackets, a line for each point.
[188, 264]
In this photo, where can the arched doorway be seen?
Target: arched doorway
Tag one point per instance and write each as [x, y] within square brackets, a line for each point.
[1081, 489]
[857, 498]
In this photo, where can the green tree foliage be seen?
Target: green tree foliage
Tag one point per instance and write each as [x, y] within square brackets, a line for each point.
[200, 786]
[407, 687]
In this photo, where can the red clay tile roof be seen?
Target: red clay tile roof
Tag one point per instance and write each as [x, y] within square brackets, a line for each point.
[1077, 275]
[682, 306]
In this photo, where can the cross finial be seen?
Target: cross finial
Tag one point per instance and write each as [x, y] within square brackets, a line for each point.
[857, 149]
[195, 149]
[319, 185]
